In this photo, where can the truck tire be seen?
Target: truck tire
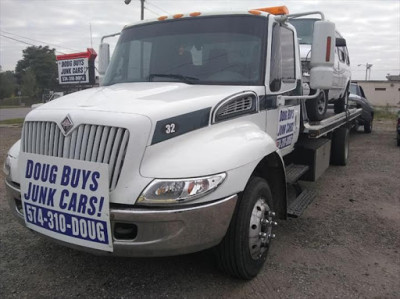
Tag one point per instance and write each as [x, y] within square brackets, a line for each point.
[341, 104]
[340, 146]
[368, 126]
[316, 108]
[244, 249]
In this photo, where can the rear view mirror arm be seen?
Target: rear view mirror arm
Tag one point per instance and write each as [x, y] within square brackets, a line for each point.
[110, 35]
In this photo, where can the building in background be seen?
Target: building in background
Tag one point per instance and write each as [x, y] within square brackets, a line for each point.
[382, 93]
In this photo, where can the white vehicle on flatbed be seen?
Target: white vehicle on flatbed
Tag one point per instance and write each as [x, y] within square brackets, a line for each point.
[196, 139]
[338, 93]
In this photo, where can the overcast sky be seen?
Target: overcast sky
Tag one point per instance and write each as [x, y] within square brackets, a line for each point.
[371, 28]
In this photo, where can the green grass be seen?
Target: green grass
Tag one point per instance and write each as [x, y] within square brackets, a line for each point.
[13, 121]
[384, 114]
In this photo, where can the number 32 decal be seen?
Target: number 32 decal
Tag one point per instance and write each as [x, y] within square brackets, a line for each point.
[170, 128]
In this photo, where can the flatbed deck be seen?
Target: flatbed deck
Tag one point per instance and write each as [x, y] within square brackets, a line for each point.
[320, 128]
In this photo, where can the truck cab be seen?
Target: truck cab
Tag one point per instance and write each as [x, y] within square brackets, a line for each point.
[182, 148]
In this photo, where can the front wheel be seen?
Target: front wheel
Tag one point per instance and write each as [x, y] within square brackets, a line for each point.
[316, 108]
[243, 251]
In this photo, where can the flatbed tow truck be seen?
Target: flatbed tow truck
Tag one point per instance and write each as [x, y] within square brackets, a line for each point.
[198, 138]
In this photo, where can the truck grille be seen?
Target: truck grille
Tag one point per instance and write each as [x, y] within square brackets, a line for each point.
[92, 143]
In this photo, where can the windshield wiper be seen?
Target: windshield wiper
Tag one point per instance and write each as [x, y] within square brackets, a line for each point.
[185, 79]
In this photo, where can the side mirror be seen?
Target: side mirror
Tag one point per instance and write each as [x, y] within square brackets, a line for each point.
[340, 42]
[322, 55]
[104, 58]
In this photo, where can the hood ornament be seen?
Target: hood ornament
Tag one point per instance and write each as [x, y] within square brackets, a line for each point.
[67, 125]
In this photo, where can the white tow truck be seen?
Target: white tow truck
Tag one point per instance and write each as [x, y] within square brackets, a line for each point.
[197, 139]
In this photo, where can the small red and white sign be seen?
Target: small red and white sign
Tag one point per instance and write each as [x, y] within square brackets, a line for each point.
[76, 68]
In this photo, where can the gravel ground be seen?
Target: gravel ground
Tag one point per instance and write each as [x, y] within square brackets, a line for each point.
[345, 245]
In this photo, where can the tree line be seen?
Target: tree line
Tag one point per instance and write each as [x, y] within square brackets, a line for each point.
[35, 74]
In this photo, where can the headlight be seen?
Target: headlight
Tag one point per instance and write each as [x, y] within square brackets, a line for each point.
[182, 190]
[7, 165]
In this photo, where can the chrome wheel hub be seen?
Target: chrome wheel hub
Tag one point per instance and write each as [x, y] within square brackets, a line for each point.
[260, 230]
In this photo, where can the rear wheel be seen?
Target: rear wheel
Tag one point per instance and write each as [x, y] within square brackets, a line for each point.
[368, 126]
[244, 249]
[316, 108]
[341, 104]
[340, 146]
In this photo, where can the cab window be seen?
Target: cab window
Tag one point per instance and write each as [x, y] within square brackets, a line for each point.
[282, 64]
[347, 56]
[288, 57]
[276, 58]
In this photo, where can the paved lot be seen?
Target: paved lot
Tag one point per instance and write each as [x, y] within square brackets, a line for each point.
[10, 113]
[346, 245]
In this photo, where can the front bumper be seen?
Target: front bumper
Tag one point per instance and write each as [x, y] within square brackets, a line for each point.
[139, 232]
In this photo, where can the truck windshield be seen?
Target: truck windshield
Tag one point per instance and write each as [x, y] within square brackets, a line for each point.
[204, 50]
[304, 28]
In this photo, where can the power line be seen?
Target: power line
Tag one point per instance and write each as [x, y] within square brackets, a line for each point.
[159, 8]
[156, 13]
[23, 42]
[38, 41]
[17, 40]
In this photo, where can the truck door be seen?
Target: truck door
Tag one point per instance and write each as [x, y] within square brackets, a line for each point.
[283, 118]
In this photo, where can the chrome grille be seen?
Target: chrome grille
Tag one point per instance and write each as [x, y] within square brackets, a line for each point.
[237, 105]
[92, 143]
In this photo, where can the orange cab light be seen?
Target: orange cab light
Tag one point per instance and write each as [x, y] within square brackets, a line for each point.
[255, 12]
[195, 14]
[162, 18]
[276, 10]
[177, 16]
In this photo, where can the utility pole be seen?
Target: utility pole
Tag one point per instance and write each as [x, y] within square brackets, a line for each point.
[142, 10]
[367, 70]
[141, 7]
[369, 75]
[91, 37]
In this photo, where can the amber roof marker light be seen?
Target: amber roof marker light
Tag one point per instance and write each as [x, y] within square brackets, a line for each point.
[276, 10]
[255, 12]
[195, 14]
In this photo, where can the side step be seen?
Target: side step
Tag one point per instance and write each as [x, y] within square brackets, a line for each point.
[297, 206]
[294, 172]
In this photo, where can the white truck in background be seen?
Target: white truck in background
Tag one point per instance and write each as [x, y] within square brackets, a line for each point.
[197, 139]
